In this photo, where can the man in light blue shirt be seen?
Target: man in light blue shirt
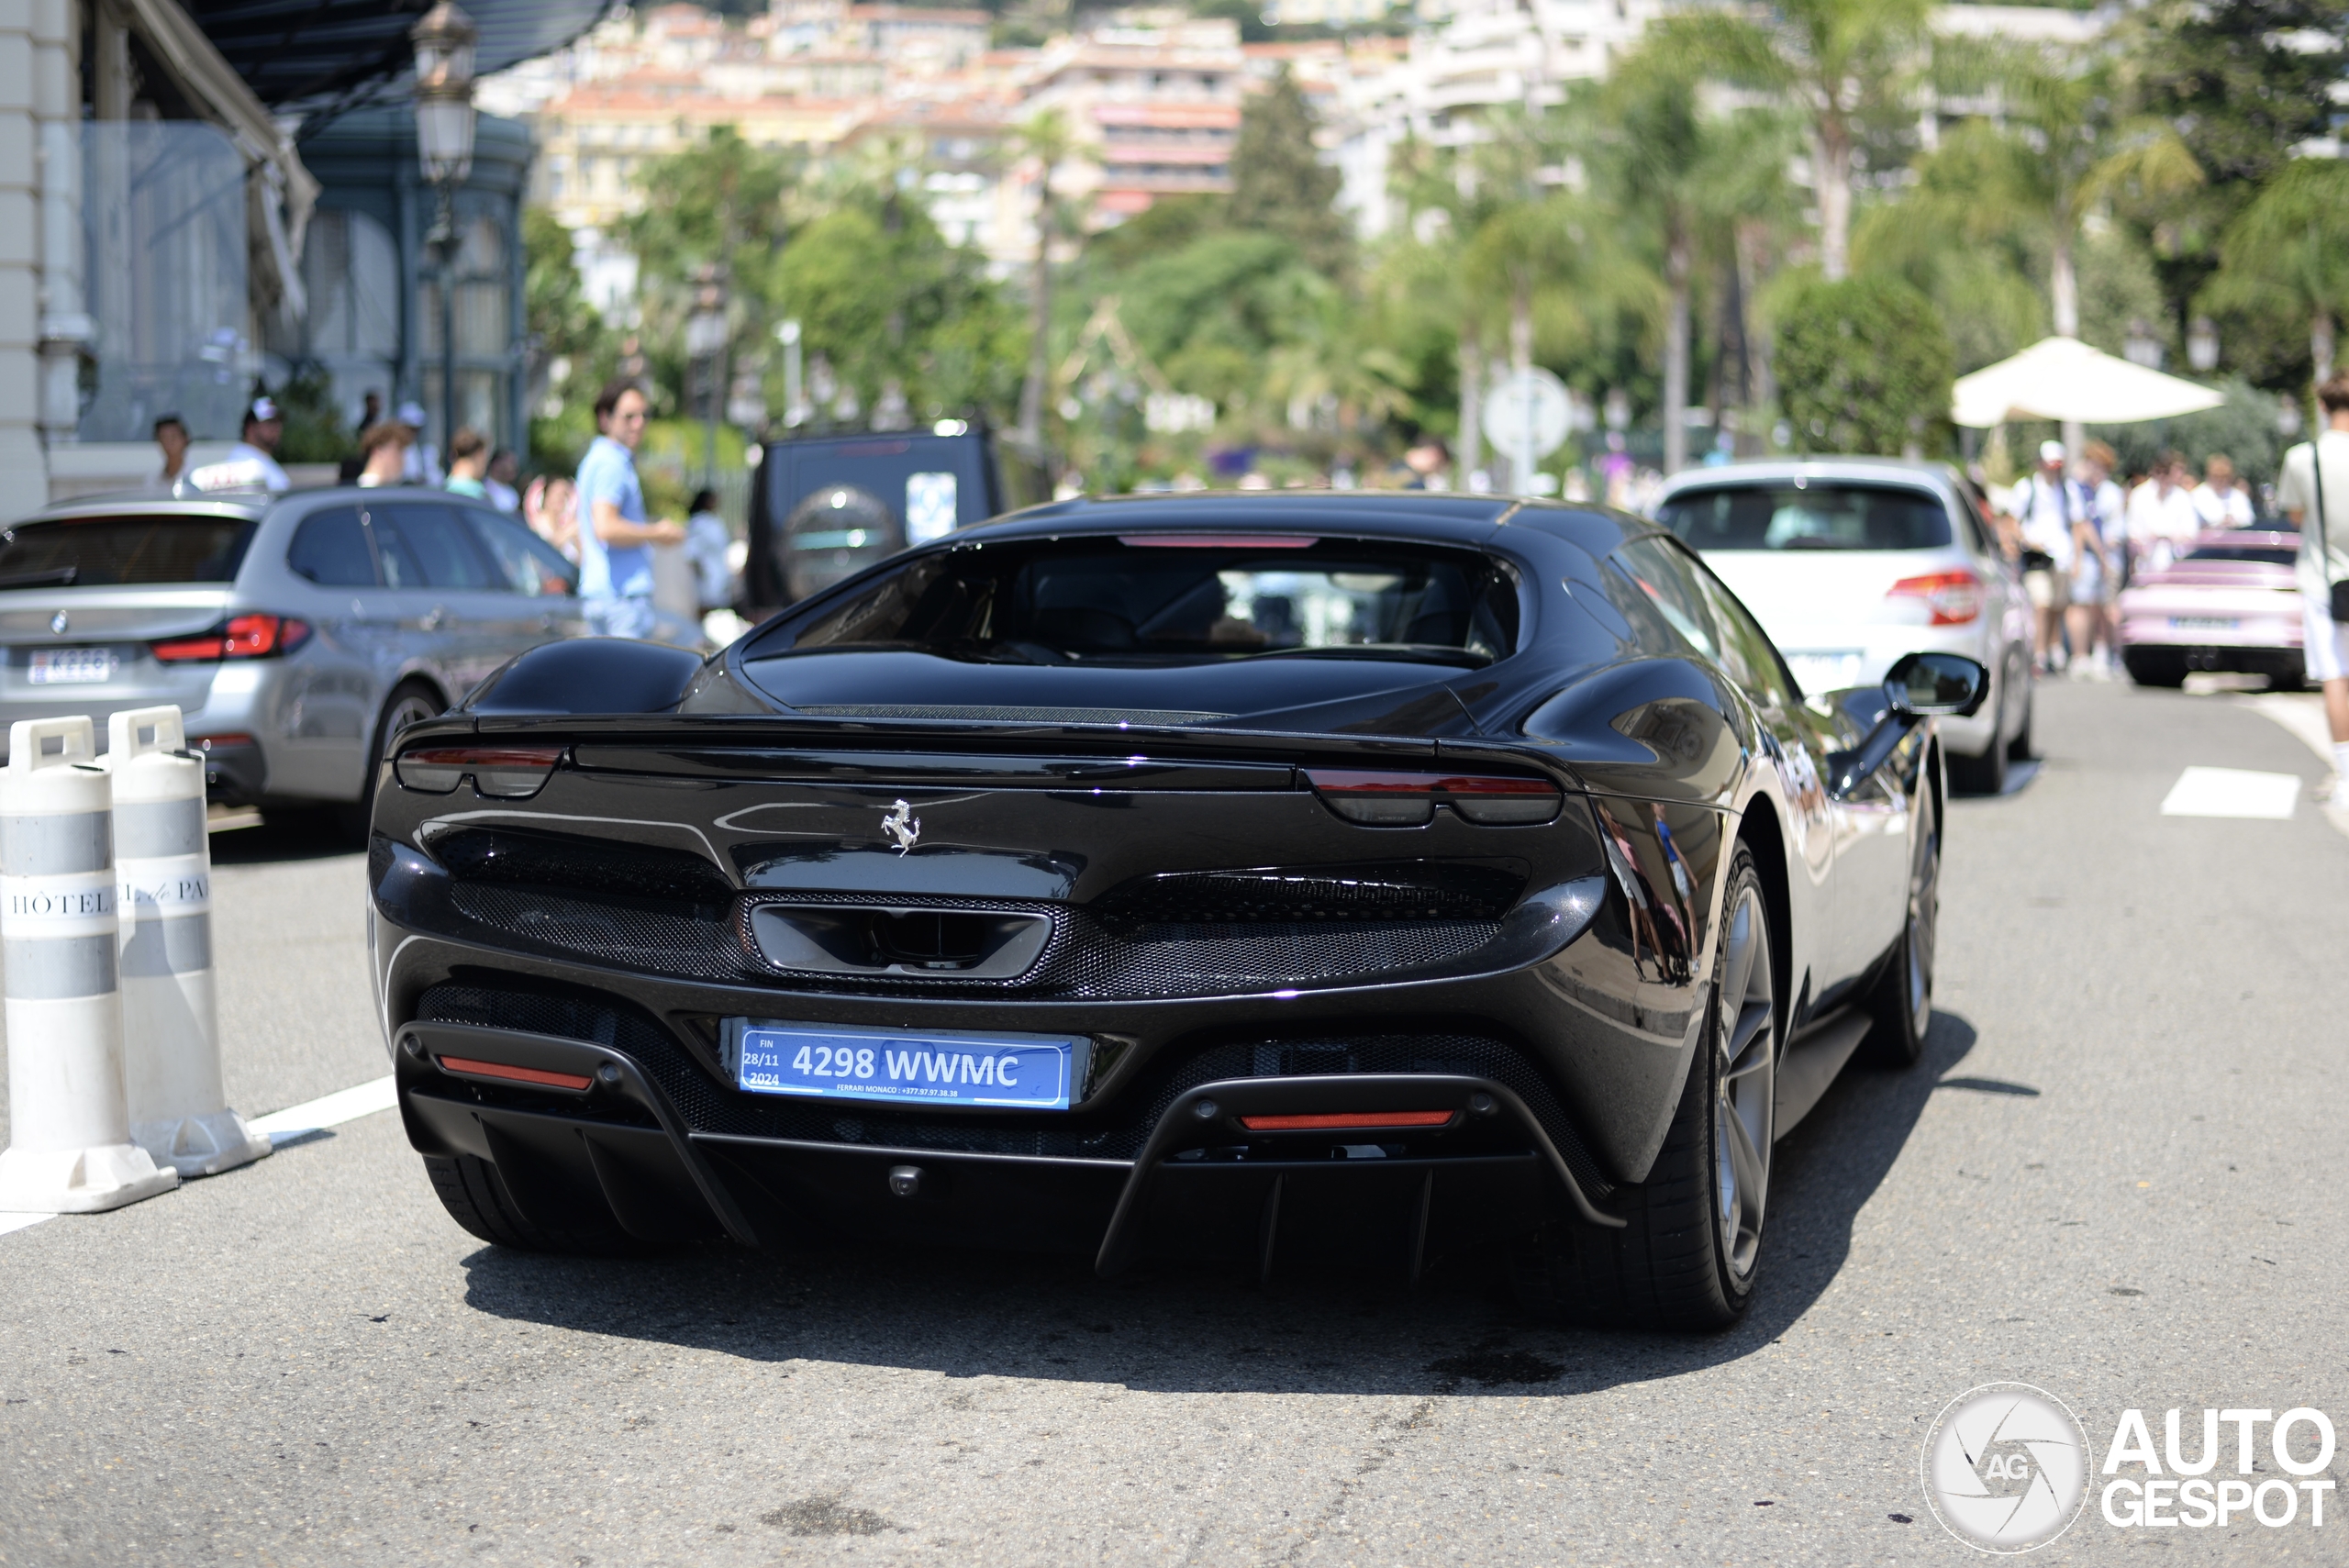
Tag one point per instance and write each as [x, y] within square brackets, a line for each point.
[615, 541]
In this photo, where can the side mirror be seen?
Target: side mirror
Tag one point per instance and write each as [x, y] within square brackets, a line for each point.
[1920, 684]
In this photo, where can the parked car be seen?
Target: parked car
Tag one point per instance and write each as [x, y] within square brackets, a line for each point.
[297, 633]
[823, 507]
[1246, 875]
[1851, 563]
[2231, 602]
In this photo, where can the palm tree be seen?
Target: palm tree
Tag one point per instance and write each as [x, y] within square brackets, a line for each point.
[2292, 247]
[1686, 176]
[1047, 139]
[1841, 61]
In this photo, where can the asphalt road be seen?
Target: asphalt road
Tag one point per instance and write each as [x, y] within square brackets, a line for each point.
[2114, 1177]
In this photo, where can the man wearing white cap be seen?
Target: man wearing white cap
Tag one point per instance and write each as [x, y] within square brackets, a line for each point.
[423, 458]
[256, 450]
[2056, 526]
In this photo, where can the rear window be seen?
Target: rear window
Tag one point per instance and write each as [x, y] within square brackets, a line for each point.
[107, 552]
[1140, 601]
[1806, 517]
[2266, 555]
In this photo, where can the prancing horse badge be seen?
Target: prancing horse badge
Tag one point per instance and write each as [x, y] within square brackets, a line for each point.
[902, 825]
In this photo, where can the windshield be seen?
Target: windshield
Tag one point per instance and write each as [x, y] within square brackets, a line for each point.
[1806, 517]
[1145, 600]
[104, 553]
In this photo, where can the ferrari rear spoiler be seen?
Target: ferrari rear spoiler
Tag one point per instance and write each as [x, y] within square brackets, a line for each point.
[720, 746]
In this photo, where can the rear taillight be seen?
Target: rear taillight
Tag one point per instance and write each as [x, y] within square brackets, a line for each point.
[1406, 800]
[1953, 597]
[508, 772]
[239, 636]
[1345, 1121]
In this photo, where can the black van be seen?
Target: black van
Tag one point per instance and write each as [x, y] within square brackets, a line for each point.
[825, 506]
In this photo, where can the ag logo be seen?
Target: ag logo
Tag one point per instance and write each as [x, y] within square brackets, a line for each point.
[2005, 1467]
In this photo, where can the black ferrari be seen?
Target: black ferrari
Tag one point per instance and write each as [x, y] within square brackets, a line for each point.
[1260, 877]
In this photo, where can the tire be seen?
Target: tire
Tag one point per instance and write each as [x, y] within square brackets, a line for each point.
[2161, 667]
[411, 701]
[1688, 1257]
[2018, 749]
[1985, 774]
[1902, 1000]
[476, 1198]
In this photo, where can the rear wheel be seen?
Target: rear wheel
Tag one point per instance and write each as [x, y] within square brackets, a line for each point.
[1903, 999]
[1689, 1255]
[477, 1198]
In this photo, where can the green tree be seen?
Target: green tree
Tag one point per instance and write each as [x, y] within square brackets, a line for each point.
[1046, 141]
[882, 297]
[2244, 82]
[1864, 366]
[569, 349]
[720, 204]
[1279, 184]
[1686, 179]
[1841, 62]
[2290, 248]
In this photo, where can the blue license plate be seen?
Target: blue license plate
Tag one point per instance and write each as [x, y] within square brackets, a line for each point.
[945, 1067]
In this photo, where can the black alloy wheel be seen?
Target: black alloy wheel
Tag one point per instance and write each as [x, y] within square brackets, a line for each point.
[1689, 1256]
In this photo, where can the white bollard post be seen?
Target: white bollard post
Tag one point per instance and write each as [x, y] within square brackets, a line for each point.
[69, 1127]
[171, 1017]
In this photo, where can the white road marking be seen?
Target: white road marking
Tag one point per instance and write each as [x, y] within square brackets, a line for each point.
[283, 1127]
[2233, 792]
[330, 1110]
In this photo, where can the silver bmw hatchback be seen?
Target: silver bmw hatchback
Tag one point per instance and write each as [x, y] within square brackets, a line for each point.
[298, 633]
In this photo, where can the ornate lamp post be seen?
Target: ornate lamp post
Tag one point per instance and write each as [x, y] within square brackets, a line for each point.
[444, 38]
[2202, 345]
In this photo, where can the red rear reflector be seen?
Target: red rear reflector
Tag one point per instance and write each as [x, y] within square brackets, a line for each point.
[506, 1070]
[1217, 541]
[1334, 1120]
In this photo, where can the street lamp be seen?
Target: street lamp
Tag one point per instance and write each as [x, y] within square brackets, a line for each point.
[706, 346]
[795, 407]
[444, 38]
[2202, 345]
[2140, 347]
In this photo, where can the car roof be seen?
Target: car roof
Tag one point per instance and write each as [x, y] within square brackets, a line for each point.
[1438, 515]
[233, 503]
[1935, 477]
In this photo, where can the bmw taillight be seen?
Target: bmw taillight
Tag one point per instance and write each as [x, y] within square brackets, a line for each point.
[508, 773]
[239, 636]
[1953, 597]
[1406, 800]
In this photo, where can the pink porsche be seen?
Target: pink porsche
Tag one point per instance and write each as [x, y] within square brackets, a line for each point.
[2229, 603]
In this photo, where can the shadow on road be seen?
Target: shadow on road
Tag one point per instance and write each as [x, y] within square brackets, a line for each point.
[301, 835]
[1193, 1331]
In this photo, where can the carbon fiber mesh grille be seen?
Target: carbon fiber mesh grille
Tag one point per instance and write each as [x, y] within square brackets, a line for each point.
[708, 1105]
[1087, 960]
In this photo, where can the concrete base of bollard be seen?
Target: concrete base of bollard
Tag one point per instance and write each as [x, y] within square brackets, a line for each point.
[200, 1145]
[80, 1181]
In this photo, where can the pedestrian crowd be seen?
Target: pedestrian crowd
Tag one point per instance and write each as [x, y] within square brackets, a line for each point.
[2082, 534]
[595, 518]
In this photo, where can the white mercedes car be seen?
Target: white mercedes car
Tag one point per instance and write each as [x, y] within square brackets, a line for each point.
[1850, 562]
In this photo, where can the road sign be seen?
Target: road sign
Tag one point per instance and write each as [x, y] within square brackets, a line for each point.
[1527, 414]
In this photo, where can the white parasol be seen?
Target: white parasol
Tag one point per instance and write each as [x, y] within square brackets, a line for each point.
[2063, 378]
